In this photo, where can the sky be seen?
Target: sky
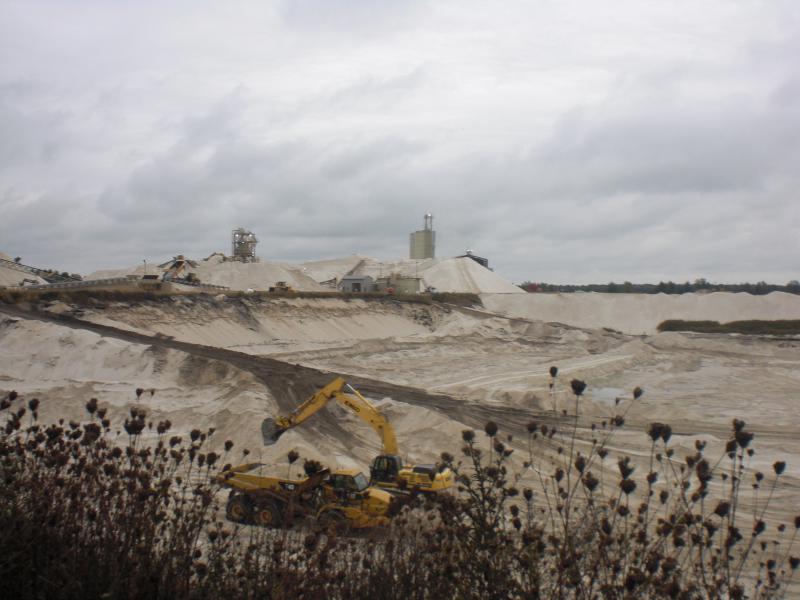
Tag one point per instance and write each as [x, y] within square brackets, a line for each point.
[567, 141]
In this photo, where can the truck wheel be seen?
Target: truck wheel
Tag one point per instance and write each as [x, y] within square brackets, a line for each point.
[239, 509]
[332, 519]
[267, 515]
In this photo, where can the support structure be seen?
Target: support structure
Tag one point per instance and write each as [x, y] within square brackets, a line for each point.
[243, 245]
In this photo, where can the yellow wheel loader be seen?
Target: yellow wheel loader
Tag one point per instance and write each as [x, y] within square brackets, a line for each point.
[281, 286]
[387, 470]
[343, 498]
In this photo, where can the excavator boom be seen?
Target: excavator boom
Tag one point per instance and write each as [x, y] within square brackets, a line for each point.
[387, 470]
[344, 394]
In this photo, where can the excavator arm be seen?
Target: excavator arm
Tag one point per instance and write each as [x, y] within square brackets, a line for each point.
[344, 394]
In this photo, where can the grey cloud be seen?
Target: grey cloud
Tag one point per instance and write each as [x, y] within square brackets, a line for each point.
[787, 94]
[335, 130]
[668, 150]
[358, 158]
[367, 17]
[371, 92]
[28, 135]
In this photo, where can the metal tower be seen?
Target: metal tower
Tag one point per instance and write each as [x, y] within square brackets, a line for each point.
[243, 245]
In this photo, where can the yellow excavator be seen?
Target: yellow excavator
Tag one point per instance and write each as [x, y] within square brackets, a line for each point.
[387, 470]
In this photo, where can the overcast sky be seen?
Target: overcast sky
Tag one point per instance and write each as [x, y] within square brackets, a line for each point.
[566, 141]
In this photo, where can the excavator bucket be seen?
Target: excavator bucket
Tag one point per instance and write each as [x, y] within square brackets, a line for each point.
[270, 431]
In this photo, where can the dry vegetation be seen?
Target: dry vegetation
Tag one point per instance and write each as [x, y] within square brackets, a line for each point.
[752, 327]
[82, 297]
[90, 510]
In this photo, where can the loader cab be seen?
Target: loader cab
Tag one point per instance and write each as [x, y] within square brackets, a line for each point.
[349, 482]
[385, 468]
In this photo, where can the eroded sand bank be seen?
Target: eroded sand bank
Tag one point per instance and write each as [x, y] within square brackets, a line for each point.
[473, 364]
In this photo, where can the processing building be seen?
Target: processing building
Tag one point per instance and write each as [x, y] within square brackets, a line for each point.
[243, 245]
[423, 242]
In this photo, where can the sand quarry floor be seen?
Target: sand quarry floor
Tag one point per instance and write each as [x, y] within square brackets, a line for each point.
[433, 370]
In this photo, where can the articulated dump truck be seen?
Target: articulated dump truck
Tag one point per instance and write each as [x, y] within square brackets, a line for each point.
[343, 498]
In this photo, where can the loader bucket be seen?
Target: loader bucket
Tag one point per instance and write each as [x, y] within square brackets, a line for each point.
[270, 431]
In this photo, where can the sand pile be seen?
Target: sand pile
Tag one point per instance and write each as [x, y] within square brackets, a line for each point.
[256, 276]
[326, 270]
[465, 275]
[641, 313]
[109, 273]
[65, 367]
[231, 274]
[11, 277]
[444, 274]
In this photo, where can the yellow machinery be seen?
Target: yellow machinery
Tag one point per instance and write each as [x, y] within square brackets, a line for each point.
[343, 498]
[281, 286]
[387, 470]
[173, 270]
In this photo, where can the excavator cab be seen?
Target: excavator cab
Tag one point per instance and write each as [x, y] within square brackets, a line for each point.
[385, 468]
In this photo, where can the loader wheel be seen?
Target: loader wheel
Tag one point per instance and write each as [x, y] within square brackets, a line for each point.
[239, 509]
[267, 515]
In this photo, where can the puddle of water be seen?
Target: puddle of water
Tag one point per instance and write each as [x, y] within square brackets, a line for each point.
[607, 395]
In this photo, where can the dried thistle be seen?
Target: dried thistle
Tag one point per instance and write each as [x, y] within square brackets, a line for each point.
[578, 386]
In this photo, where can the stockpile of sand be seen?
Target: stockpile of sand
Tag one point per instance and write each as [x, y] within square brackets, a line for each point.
[65, 367]
[11, 277]
[256, 276]
[641, 313]
[444, 274]
[326, 270]
[384, 268]
[137, 270]
[231, 274]
[466, 275]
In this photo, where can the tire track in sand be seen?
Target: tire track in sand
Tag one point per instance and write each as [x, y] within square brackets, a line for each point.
[290, 384]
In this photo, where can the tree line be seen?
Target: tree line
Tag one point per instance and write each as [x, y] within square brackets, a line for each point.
[665, 287]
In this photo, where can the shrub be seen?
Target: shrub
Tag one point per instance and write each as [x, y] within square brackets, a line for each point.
[755, 327]
[599, 529]
[89, 512]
